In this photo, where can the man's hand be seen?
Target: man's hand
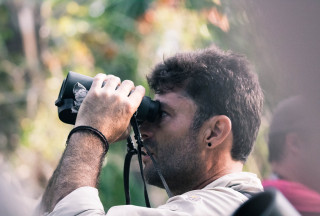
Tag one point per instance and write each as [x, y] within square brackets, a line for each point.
[110, 108]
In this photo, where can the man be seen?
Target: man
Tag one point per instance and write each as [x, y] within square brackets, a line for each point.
[210, 114]
[294, 153]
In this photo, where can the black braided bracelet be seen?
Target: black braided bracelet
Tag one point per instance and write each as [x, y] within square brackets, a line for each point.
[93, 131]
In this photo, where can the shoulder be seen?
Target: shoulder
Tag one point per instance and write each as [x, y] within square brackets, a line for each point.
[205, 202]
[214, 201]
[221, 197]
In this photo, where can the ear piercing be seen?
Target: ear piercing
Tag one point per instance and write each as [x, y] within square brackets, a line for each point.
[209, 144]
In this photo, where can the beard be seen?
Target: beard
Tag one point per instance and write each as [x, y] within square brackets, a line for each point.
[178, 161]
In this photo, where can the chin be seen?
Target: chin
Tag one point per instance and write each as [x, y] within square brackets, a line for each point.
[152, 178]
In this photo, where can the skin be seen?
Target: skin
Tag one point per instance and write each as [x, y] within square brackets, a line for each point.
[184, 157]
[301, 159]
[81, 162]
[300, 162]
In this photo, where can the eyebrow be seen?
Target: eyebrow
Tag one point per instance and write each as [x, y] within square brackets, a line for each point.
[164, 105]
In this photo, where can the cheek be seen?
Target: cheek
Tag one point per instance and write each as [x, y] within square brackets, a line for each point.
[169, 148]
[312, 155]
[174, 140]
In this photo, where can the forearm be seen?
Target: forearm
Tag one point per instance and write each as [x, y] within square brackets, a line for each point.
[79, 166]
[107, 108]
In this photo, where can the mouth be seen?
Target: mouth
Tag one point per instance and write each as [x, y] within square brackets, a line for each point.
[146, 156]
[147, 152]
[144, 153]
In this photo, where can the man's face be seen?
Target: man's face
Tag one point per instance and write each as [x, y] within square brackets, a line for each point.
[311, 150]
[173, 144]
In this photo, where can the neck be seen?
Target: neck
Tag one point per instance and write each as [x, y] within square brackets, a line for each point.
[207, 177]
[214, 173]
[298, 174]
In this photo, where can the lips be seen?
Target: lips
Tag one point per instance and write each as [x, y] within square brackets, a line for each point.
[147, 144]
[144, 153]
[145, 156]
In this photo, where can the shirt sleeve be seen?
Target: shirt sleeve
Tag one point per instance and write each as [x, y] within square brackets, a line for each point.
[82, 201]
[85, 201]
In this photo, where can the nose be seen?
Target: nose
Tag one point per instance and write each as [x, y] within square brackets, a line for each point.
[146, 130]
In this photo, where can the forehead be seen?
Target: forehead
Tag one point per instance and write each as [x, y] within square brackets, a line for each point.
[176, 100]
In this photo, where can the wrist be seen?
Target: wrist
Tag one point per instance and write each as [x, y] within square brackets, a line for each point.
[92, 133]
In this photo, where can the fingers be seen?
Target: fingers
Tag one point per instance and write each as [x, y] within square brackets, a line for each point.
[137, 95]
[109, 107]
[125, 87]
[98, 81]
[111, 83]
[108, 82]
[114, 84]
[134, 94]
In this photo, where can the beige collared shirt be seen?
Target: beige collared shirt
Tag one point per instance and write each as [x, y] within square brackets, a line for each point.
[221, 197]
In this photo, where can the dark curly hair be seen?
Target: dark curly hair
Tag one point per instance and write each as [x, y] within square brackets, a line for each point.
[220, 83]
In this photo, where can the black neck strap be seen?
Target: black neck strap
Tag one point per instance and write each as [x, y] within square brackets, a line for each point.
[132, 151]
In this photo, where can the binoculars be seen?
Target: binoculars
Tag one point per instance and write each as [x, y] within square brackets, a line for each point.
[147, 111]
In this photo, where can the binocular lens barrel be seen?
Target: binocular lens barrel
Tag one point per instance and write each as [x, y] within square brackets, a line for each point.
[148, 109]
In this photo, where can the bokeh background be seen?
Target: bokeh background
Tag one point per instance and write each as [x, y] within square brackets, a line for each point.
[40, 41]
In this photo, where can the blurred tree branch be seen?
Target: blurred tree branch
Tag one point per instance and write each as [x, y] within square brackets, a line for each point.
[41, 41]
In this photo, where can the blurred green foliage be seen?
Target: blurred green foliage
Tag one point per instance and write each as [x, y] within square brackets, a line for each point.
[40, 41]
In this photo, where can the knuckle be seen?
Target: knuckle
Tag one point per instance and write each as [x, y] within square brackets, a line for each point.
[111, 76]
[100, 76]
[113, 98]
[128, 108]
[128, 82]
[94, 92]
[108, 77]
[105, 93]
[140, 88]
[117, 79]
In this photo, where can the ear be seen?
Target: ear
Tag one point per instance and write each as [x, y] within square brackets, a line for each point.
[218, 128]
[293, 143]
